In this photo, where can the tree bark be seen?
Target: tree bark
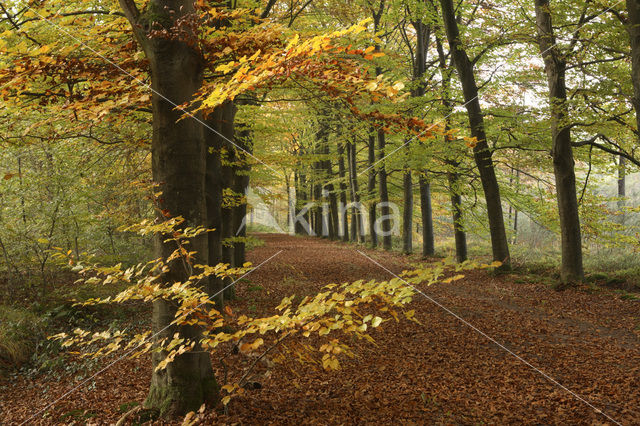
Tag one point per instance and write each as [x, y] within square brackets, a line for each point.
[228, 158]
[481, 152]
[344, 220]
[563, 163]
[357, 230]
[179, 167]
[385, 211]
[423, 34]
[622, 185]
[428, 238]
[633, 27]
[371, 188]
[213, 195]
[241, 185]
[407, 214]
[453, 177]
[460, 235]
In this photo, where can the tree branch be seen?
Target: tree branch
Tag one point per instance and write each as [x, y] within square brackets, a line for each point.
[619, 151]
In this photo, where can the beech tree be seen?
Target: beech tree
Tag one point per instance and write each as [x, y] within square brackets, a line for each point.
[482, 153]
[179, 167]
[562, 153]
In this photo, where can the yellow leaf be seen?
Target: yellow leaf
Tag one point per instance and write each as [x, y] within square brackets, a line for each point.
[376, 322]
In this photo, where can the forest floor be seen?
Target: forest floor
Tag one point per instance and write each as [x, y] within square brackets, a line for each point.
[441, 372]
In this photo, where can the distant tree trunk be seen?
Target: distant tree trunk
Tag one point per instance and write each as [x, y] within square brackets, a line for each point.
[357, 230]
[318, 213]
[241, 186]
[334, 225]
[633, 27]
[179, 168]
[622, 180]
[407, 219]
[460, 235]
[371, 187]
[428, 245]
[515, 212]
[385, 211]
[344, 220]
[562, 152]
[622, 187]
[301, 200]
[481, 152]
[515, 227]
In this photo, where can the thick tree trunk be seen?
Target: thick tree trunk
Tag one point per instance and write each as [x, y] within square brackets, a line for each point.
[633, 27]
[344, 220]
[407, 214]
[371, 188]
[481, 152]
[179, 167]
[428, 239]
[563, 164]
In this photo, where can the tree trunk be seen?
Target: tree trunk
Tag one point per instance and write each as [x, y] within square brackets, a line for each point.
[344, 220]
[563, 164]
[633, 27]
[459, 233]
[428, 239]
[423, 34]
[179, 167]
[385, 211]
[213, 194]
[407, 214]
[453, 177]
[371, 188]
[241, 185]
[622, 185]
[357, 229]
[481, 152]
[228, 158]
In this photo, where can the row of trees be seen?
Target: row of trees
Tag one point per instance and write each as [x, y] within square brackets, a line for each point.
[573, 57]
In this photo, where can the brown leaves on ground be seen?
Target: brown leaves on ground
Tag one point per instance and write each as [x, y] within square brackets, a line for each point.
[441, 372]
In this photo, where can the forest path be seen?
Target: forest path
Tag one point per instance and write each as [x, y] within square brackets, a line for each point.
[442, 372]
[445, 372]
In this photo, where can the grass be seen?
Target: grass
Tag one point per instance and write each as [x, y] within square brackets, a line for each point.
[20, 331]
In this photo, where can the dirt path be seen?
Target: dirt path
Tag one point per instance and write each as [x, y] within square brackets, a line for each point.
[443, 372]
